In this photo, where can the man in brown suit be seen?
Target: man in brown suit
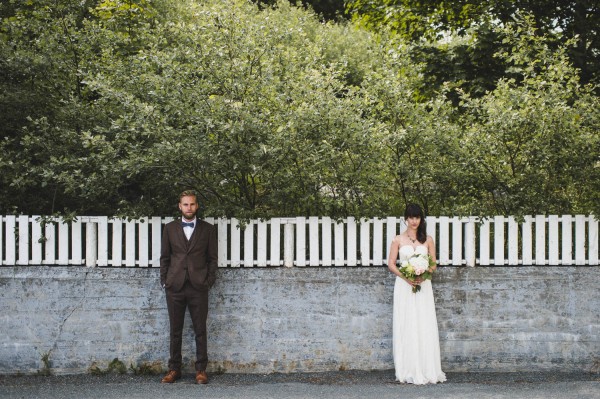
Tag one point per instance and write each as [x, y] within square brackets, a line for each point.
[188, 265]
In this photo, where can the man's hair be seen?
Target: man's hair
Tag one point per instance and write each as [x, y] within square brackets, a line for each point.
[188, 193]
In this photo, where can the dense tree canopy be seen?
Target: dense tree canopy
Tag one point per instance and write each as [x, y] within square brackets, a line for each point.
[472, 61]
[114, 106]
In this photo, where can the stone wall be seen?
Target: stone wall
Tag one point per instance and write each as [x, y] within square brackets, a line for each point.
[69, 319]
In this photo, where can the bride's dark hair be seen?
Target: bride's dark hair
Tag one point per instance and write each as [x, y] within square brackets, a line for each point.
[415, 211]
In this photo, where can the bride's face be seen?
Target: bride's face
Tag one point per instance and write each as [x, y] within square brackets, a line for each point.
[413, 222]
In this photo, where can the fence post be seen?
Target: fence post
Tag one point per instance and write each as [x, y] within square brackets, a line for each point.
[91, 243]
[288, 244]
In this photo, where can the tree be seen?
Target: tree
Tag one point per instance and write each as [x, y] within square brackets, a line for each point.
[435, 19]
[50, 161]
[272, 112]
[328, 10]
[540, 132]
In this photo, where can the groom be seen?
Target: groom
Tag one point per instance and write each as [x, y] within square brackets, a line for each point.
[188, 265]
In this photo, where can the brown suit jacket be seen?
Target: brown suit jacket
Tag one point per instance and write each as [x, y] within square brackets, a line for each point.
[198, 256]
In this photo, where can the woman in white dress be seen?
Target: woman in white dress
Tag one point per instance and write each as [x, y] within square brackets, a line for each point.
[415, 332]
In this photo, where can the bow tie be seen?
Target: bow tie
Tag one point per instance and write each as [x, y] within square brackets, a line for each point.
[185, 224]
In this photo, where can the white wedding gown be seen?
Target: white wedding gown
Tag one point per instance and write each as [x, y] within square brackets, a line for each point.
[415, 333]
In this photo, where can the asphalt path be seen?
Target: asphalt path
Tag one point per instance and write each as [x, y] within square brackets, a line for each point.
[343, 384]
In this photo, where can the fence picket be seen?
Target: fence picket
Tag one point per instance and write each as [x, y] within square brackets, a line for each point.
[567, 240]
[470, 245]
[156, 231]
[261, 246]
[593, 241]
[499, 240]
[63, 243]
[540, 240]
[365, 242]
[300, 241]
[222, 242]
[2, 240]
[236, 242]
[288, 244]
[102, 241]
[553, 257]
[11, 242]
[36, 240]
[23, 228]
[444, 245]
[390, 232]
[313, 240]
[275, 242]
[527, 241]
[117, 248]
[432, 227]
[76, 240]
[338, 234]
[377, 242]
[513, 241]
[326, 241]
[50, 243]
[484, 243]
[91, 244]
[130, 243]
[457, 242]
[351, 242]
[143, 258]
[579, 239]
[249, 244]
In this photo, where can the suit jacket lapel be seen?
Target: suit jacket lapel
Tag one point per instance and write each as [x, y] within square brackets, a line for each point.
[181, 235]
[194, 237]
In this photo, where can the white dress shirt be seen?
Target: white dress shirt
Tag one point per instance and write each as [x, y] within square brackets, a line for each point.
[187, 230]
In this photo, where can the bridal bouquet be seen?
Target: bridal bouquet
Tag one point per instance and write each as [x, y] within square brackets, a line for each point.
[417, 267]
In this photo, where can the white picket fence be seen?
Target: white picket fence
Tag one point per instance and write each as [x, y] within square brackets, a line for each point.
[299, 241]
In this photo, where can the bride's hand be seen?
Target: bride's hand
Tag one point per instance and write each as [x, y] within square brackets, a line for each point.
[418, 281]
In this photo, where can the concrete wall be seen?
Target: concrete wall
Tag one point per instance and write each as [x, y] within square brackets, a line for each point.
[299, 319]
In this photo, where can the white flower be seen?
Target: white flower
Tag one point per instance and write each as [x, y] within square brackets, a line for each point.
[419, 262]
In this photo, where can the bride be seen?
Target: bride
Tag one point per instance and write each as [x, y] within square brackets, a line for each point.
[415, 332]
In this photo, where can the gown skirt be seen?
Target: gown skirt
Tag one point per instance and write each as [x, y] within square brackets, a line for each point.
[415, 335]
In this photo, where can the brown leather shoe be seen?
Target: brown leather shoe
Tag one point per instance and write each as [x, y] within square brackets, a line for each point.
[201, 377]
[171, 377]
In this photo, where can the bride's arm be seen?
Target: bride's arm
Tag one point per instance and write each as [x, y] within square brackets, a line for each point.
[394, 248]
[394, 257]
[431, 251]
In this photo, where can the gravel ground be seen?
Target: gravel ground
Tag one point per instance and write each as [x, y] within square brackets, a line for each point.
[344, 384]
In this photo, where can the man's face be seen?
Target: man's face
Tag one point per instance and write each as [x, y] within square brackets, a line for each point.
[188, 206]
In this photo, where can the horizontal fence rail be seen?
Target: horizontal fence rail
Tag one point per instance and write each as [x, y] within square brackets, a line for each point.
[303, 241]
